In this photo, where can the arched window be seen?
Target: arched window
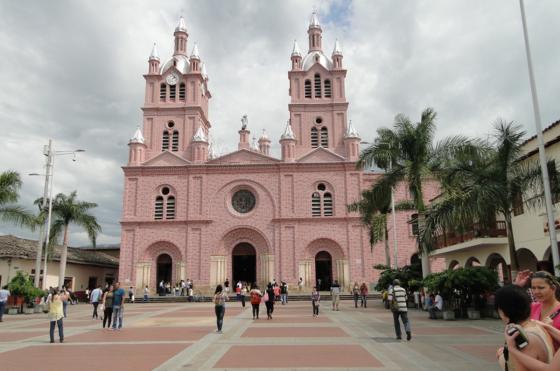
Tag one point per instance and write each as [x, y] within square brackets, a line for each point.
[317, 85]
[315, 204]
[314, 138]
[182, 91]
[322, 201]
[170, 208]
[158, 215]
[175, 141]
[327, 88]
[165, 141]
[308, 88]
[324, 137]
[172, 91]
[327, 204]
[162, 91]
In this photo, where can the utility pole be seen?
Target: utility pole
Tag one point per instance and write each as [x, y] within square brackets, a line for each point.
[39, 256]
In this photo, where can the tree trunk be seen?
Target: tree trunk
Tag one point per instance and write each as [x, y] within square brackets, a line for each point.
[426, 268]
[387, 251]
[511, 247]
[63, 256]
[46, 256]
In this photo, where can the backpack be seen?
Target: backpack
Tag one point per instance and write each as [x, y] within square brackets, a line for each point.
[394, 305]
[255, 298]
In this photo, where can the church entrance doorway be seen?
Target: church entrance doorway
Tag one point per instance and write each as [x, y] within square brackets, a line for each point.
[163, 271]
[323, 270]
[244, 263]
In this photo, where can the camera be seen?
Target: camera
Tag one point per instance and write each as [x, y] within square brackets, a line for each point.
[521, 341]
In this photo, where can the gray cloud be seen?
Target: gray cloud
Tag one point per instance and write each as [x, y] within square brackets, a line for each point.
[72, 71]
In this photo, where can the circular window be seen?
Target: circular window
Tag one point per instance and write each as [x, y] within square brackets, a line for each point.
[170, 124]
[318, 120]
[165, 191]
[243, 201]
[321, 187]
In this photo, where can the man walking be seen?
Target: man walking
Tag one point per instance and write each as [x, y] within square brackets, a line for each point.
[118, 305]
[335, 293]
[284, 292]
[397, 300]
[95, 297]
[4, 293]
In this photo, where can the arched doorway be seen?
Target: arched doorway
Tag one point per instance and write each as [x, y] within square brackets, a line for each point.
[496, 262]
[454, 265]
[323, 270]
[526, 259]
[244, 263]
[164, 268]
[472, 262]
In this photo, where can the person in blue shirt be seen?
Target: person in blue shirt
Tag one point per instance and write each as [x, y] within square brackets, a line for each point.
[118, 306]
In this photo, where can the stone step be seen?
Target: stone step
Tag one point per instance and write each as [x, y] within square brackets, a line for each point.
[291, 297]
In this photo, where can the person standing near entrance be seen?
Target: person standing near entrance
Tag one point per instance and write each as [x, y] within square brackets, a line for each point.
[300, 284]
[397, 298]
[220, 299]
[243, 295]
[4, 293]
[118, 306]
[356, 293]
[284, 292]
[315, 300]
[95, 297]
[364, 294]
[335, 293]
[256, 296]
[146, 293]
[226, 286]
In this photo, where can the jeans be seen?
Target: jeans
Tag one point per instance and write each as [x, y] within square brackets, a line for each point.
[284, 298]
[364, 301]
[145, 298]
[243, 301]
[256, 310]
[60, 330]
[64, 305]
[95, 304]
[220, 312]
[433, 311]
[2, 308]
[107, 315]
[406, 323]
[117, 315]
[356, 296]
[315, 308]
[269, 308]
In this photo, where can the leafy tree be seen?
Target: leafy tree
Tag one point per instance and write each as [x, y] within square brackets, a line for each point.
[10, 184]
[68, 210]
[485, 183]
[408, 154]
[409, 275]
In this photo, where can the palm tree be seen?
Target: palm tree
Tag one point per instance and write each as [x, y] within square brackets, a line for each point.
[487, 183]
[409, 155]
[68, 210]
[10, 183]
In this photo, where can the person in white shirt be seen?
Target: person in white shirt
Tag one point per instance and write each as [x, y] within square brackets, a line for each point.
[437, 307]
[4, 293]
[95, 297]
[397, 298]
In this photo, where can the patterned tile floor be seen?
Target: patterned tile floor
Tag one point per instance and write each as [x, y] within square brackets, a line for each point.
[181, 336]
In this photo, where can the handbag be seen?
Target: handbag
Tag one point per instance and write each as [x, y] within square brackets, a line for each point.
[265, 297]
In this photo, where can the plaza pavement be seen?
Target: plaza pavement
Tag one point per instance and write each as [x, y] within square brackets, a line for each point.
[181, 336]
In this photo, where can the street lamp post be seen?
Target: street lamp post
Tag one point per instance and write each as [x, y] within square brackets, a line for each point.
[542, 155]
[49, 178]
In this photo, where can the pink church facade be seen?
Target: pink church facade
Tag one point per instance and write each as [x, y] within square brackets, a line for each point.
[247, 215]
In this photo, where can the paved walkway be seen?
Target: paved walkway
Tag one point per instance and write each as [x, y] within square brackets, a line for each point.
[181, 336]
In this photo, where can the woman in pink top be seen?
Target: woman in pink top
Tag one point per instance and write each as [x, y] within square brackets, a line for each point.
[546, 307]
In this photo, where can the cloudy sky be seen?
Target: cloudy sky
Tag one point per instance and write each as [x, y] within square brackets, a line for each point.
[72, 71]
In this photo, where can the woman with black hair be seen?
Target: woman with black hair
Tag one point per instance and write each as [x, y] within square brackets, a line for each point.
[270, 302]
[220, 299]
[514, 307]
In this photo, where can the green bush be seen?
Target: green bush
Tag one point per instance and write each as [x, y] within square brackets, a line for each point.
[409, 275]
[22, 285]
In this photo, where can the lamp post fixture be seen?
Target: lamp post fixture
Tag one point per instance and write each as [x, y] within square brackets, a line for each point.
[47, 193]
[542, 155]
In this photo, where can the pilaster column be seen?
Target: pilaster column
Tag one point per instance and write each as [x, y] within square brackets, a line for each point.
[343, 273]
[217, 269]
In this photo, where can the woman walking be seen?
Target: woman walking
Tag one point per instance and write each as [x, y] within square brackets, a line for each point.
[315, 300]
[364, 294]
[108, 305]
[356, 293]
[220, 307]
[256, 296]
[243, 294]
[56, 314]
[270, 302]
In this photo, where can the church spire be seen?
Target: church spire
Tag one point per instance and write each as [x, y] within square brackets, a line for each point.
[153, 61]
[296, 57]
[315, 33]
[181, 36]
